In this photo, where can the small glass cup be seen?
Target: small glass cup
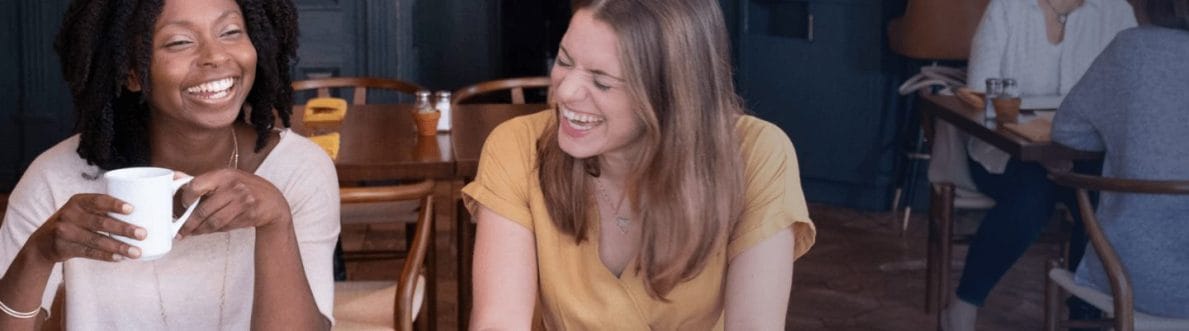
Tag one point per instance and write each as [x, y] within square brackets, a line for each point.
[1007, 110]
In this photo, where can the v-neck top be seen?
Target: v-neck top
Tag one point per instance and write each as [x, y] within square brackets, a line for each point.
[576, 290]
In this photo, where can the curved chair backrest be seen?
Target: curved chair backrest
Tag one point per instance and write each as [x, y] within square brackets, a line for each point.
[1124, 304]
[515, 85]
[361, 85]
[403, 308]
[936, 29]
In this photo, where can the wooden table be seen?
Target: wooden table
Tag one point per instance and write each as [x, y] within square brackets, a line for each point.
[378, 142]
[472, 124]
[970, 120]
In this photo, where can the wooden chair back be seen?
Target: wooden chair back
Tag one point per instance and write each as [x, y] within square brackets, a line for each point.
[936, 29]
[360, 85]
[515, 86]
[415, 259]
[1124, 303]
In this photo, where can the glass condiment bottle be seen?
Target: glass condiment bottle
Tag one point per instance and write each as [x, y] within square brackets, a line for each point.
[994, 88]
[442, 104]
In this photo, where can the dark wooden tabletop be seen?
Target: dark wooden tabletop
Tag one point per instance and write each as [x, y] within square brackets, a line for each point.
[378, 142]
[970, 120]
[472, 123]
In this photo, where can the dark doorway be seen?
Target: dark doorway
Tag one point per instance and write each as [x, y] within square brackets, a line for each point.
[531, 31]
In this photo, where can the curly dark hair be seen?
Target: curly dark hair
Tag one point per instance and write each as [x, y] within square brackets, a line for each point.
[102, 41]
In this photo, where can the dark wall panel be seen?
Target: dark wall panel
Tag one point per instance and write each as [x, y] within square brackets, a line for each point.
[819, 70]
[10, 138]
[38, 111]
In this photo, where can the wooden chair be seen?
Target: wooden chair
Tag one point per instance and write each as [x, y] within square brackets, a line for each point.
[384, 305]
[360, 84]
[388, 305]
[515, 85]
[936, 29]
[1122, 304]
[930, 31]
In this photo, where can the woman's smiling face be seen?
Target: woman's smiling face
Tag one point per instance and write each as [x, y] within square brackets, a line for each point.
[596, 114]
[203, 62]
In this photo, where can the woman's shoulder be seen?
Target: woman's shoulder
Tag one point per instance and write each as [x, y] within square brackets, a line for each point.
[54, 176]
[762, 142]
[1012, 7]
[754, 131]
[60, 160]
[522, 129]
[1114, 6]
[294, 152]
[1143, 37]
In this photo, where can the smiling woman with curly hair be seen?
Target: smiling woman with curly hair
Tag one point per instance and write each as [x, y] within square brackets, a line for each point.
[176, 84]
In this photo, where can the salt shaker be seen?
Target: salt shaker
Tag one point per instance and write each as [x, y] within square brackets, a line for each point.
[423, 103]
[994, 89]
[443, 106]
[1009, 89]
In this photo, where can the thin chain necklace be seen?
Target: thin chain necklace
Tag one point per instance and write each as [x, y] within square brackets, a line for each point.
[233, 163]
[623, 223]
[1061, 17]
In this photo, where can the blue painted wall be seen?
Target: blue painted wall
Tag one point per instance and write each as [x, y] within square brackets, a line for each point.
[440, 44]
[821, 70]
[833, 95]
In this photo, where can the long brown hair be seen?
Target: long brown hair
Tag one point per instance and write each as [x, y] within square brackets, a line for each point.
[686, 187]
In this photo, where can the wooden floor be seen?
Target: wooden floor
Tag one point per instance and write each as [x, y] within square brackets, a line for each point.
[861, 275]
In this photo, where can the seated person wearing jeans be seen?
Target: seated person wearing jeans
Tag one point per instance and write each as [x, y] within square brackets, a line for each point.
[1045, 45]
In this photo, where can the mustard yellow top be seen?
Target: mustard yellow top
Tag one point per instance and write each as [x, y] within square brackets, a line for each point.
[577, 291]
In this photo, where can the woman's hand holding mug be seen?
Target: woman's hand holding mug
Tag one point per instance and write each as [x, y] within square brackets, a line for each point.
[131, 221]
[232, 199]
[79, 229]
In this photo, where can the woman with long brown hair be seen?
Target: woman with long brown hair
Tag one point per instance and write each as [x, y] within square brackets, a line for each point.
[646, 198]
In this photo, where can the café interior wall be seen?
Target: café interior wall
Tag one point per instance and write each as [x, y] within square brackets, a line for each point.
[440, 44]
[845, 121]
[821, 70]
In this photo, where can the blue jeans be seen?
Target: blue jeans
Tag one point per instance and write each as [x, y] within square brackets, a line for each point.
[1024, 201]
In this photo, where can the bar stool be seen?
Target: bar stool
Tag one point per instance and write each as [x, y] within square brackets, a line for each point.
[936, 30]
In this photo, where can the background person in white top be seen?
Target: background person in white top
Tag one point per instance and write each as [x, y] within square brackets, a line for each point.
[189, 85]
[1046, 46]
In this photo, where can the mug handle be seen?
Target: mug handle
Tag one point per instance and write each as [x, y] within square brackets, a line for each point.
[177, 224]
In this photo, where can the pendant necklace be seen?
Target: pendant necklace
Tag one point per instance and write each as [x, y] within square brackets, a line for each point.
[233, 163]
[1061, 17]
[623, 223]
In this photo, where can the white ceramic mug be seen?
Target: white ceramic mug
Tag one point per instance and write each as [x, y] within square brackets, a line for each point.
[150, 191]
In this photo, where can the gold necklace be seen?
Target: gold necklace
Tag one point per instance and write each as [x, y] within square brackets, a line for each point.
[233, 163]
[623, 223]
[222, 287]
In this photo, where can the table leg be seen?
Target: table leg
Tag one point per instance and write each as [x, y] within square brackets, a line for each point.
[442, 273]
[940, 247]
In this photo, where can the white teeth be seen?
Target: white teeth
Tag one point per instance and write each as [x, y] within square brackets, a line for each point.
[219, 87]
[581, 121]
